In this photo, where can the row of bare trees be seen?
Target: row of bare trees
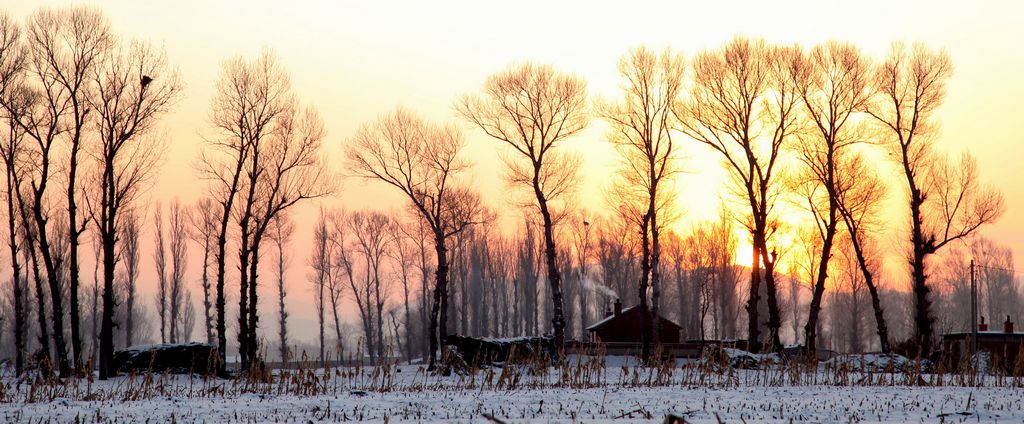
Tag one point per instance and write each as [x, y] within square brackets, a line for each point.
[80, 106]
[762, 107]
[793, 126]
[263, 158]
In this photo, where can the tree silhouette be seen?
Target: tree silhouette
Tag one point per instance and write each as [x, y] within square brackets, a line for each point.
[422, 161]
[946, 201]
[742, 105]
[532, 109]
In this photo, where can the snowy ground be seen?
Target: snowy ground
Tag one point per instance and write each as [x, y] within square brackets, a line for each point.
[610, 393]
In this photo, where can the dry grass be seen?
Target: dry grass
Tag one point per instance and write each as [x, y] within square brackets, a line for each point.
[582, 372]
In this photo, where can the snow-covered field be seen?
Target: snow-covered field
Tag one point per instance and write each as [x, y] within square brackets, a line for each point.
[587, 393]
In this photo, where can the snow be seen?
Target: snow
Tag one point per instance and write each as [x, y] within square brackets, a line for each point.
[596, 389]
[159, 346]
[871, 362]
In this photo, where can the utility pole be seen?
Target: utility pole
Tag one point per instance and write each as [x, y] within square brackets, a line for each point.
[974, 313]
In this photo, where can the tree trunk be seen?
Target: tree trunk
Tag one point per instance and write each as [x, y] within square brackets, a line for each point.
[437, 324]
[253, 310]
[551, 262]
[810, 329]
[222, 340]
[243, 298]
[108, 239]
[73, 235]
[656, 274]
[56, 291]
[282, 315]
[19, 297]
[754, 297]
[207, 304]
[107, 327]
[774, 314]
[645, 272]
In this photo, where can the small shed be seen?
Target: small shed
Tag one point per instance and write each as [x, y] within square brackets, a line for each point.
[624, 326]
[1006, 347]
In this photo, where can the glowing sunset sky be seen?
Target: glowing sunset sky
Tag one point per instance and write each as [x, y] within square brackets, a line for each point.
[355, 60]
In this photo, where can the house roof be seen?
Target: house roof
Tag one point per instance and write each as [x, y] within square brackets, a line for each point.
[986, 335]
[612, 317]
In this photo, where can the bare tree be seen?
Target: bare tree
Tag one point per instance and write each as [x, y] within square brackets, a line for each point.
[129, 232]
[1000, 294]
[533, 109]
[236, 118]
[11, 64]
[582, 236]
[62, 47]
[336, 266]
[135, 87]
[293, 172]
[271, 162]
[66, 46]
[178, 293]
[321, 264]
[204, 231]
[946, 202]
[370, 244]
[274, 164]
[281, 231]
[404, 256]
[642, 129]
[832, 83]
[160, 265]
[742, 106]
[422, 161]
[860, 194]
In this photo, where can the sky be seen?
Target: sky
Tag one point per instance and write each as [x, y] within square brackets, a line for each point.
[356, 60]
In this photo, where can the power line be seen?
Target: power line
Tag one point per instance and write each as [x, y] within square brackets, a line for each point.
[999, 269]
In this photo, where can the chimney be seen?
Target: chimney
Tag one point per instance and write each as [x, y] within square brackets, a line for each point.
[983, 326]
[1008, 325]
[618, 307]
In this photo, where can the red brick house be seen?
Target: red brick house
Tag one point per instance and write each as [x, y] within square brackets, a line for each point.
[1006, 347]
[624, 326]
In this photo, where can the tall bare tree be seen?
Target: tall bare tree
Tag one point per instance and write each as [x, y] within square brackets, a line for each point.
[66, 47]
[281, 231]
[62, 48]
[370, 245]
[532, 109]
[642, 129]
[742, 105]
[135, 87]
[832, 83]
[271, 161]
[860, 194]
[404, 256]
[292, 172]
[321, 264]
[236, 115]
[11, 65]
[129, 231]
[947, 202]
[160, 266]
[178, 293]
[422, 161]
[204, 232]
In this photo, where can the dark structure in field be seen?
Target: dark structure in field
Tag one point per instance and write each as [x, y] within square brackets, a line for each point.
[1006, 346]
[184, 358]
[624, 326]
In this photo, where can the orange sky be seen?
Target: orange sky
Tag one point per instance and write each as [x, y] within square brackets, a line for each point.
[355, 60]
